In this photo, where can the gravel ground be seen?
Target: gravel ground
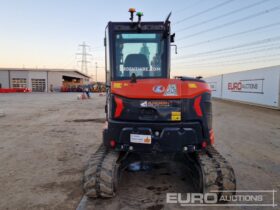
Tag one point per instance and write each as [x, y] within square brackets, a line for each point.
[46, 140]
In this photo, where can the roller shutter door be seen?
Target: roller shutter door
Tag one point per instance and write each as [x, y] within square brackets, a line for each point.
[38, 85]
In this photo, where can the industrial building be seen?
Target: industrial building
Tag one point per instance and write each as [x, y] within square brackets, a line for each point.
[41, 80]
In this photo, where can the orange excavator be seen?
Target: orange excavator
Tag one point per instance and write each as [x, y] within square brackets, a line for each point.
[150, 117]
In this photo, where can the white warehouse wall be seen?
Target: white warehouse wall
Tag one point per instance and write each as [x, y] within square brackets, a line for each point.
[215, 84]
[258, 86]
[4, 79]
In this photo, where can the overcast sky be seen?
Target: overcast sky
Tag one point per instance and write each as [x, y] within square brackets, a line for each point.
[213, 36]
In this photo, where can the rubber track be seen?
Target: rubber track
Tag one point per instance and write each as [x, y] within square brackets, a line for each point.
[101, 174]
[217, 173]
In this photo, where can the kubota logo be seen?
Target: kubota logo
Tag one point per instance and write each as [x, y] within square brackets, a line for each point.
[158, 89]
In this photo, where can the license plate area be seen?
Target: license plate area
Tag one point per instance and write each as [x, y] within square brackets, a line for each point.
[140, 138]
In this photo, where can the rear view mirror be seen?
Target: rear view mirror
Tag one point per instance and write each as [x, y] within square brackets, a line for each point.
[172, 38]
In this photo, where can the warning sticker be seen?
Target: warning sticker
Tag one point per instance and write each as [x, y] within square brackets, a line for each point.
[175, 116]
[117, 85]
[192, 85]
[140, 139]
[171, 90]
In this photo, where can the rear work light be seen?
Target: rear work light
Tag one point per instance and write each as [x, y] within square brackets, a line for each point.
[132, 10]
[119, 107]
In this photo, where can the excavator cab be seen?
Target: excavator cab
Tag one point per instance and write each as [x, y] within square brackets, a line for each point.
[137, 50]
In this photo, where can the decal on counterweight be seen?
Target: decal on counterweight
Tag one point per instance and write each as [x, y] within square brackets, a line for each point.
[171, 90]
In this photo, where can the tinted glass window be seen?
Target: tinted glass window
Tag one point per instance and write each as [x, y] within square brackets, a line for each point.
[139, 53]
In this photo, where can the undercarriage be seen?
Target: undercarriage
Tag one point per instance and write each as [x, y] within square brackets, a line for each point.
[209, 171]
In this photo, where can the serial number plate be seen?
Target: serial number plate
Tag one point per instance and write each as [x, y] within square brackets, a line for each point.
[140, 139]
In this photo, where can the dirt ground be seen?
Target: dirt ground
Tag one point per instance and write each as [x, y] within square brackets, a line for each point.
[46, 140]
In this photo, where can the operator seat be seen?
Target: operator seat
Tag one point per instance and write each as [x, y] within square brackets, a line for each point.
[136, 60]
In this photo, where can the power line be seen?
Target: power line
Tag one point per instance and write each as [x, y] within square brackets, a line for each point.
[231, 35]
[224, 15]
[188, 7]
[100, 57]
[232, 22]
[236, 54]
[259, 48]
[268, 40]
[235, 64]
[98, 47]
[204, 11]
[240, 49]
[237, 60]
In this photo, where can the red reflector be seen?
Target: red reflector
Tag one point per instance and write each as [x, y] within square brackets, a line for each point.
[119, 107]
[197, 106]
[212, 137]
[112, 143]
[204, 144]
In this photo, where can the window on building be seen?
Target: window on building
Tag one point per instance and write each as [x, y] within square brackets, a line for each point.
[19, 83]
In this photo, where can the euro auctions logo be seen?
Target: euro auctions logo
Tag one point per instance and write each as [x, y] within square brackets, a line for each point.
[235, 86]
[192, 198]
[246, 86]
[227, 198]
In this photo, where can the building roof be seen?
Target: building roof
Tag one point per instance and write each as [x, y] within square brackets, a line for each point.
[44, 69]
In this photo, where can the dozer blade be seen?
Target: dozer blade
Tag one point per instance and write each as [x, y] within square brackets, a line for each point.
[102, 174]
